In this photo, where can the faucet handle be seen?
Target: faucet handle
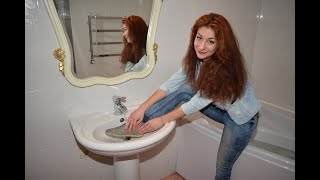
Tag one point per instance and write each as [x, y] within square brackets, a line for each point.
[118, 99]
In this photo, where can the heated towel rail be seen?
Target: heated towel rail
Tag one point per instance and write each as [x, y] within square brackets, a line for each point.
[91, 31]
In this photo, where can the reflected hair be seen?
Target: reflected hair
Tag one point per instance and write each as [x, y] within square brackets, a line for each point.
[137, 30]
[223, 76]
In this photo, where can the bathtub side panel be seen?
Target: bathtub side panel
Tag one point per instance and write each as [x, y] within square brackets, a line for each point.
[196, 154]
[197, 159]
[251, 168]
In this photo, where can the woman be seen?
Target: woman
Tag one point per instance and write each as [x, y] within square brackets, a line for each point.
[212, 80]
[134, 37]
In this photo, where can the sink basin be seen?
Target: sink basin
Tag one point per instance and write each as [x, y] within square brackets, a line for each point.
[89, 130]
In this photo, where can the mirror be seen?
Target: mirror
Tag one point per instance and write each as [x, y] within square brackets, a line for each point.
[72, 49]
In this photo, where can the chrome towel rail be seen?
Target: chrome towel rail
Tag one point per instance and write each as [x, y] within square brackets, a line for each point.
[91, 43]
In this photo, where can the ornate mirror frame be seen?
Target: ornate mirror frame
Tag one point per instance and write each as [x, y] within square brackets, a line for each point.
[64, 55]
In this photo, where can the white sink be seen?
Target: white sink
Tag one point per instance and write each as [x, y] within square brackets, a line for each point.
[89, 130]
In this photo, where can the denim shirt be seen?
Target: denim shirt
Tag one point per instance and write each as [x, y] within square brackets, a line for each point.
[241, 111]
[138, 66]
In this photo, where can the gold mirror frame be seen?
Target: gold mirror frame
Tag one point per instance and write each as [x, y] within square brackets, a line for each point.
[64, 55]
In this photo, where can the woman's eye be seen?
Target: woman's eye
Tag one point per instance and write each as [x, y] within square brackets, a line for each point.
[199, 38]
[211, 42]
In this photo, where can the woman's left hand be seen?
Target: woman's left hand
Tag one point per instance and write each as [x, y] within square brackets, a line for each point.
[151, 125]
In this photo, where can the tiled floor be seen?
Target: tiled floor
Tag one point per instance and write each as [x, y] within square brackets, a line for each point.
[175, 176]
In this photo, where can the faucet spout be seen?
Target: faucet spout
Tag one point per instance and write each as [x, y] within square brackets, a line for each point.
[119, 108]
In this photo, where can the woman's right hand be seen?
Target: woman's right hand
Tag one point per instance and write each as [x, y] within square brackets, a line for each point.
[134, 119]
[137, 116]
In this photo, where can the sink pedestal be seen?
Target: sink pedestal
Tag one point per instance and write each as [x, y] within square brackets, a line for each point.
[126, 167]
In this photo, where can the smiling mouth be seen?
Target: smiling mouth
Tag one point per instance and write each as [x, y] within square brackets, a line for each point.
[201, 52]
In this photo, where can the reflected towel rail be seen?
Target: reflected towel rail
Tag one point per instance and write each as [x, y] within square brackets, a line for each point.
[104, 17]
[103, 43]
[107, 30]
[90, 17]
[106, 55]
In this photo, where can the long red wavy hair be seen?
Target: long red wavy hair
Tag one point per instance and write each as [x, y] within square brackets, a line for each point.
[223, 77]
[138, 30]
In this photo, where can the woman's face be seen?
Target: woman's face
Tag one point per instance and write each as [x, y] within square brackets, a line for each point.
[125, 33]
[205, 43]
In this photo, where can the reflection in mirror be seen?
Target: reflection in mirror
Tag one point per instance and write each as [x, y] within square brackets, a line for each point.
[91, 36]
[95, 33]
[135, 38]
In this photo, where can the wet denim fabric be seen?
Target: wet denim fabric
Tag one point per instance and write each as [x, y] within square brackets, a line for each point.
[234, 138]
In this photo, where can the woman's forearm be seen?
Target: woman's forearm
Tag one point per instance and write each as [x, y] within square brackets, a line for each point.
[173, 115]
[158, 122]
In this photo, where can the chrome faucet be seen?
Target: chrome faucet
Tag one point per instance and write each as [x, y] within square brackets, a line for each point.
[119, 108]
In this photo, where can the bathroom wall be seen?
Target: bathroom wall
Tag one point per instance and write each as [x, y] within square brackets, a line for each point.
[51, 151]
[273, 68]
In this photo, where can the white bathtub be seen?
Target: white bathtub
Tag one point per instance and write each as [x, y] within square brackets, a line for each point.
[270, 155]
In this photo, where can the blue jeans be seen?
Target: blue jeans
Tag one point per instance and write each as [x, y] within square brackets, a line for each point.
[234, 140]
